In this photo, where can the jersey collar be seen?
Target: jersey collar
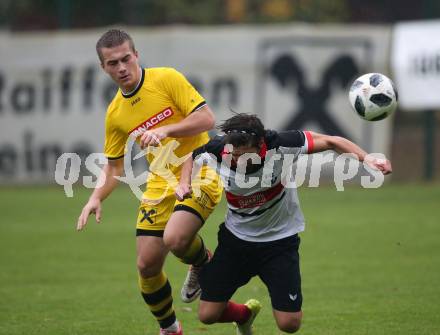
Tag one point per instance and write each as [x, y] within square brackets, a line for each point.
[137, 88]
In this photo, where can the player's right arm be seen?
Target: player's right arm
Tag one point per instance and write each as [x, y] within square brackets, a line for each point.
[214, 147]
[112, 169]
[184, 190]
[114, 150]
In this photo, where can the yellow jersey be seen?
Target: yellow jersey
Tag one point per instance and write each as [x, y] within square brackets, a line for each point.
[163, 96]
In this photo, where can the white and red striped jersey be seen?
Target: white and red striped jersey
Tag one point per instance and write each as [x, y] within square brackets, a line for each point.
[260, 207]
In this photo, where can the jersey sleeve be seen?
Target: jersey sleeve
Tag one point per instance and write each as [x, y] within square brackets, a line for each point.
[296, 139]
[184, 95]
[115, 141]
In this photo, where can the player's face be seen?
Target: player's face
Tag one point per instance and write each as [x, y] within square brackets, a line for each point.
[122, 65]
[238, 151]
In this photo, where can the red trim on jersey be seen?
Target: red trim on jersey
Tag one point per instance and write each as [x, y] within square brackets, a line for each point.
[154, 120]
[263, 150]
[310, 144]
[254, 200]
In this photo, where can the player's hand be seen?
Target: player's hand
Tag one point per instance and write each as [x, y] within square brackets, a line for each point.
[92, 207]
[183, 191]
[152, 137]
[381, 164]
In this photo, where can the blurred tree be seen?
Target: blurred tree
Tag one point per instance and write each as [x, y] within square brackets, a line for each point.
[86, 13]
[393, 10]
[235, 10]
[4, 12]
[194, 11]
[297, 10]
[278, 9]
[138, 12]
[322, 10]
[64, 13]
[56, 14]
[431, 9]
[32, 15]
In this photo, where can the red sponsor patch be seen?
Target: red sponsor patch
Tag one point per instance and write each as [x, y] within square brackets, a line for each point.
[151, 122]
[255, 199]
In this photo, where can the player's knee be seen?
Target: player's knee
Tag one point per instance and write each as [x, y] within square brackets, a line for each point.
[176, 244]
[142, 267]
[207, 317]
[209, 314]
[290, 324]
[289, 328]
[147, 268]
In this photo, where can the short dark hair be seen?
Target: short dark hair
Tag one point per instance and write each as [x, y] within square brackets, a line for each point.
[243, 130]
[113, 38]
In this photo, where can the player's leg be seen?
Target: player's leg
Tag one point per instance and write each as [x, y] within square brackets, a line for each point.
[182, 239]
[151, 254]
[225, 312]
[180, 233]
[211, 312]
[280, 272]
[188, 217]
[229, 269]
[288, 322]
[153, 282]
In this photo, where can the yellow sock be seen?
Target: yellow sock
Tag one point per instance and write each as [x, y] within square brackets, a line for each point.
[156, 292]
[196, 253]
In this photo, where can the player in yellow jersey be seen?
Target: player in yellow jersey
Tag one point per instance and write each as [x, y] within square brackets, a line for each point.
[168, 117]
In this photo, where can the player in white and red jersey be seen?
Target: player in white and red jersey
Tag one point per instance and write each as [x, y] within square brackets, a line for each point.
[260, 233]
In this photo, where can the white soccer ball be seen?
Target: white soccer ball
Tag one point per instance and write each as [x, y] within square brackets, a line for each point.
[373, 96]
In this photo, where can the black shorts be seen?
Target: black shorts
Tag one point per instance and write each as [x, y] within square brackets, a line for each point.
[236, 261]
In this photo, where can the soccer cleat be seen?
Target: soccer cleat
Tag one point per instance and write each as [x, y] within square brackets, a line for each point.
[246, 328]
[191, 288]
[167, 332]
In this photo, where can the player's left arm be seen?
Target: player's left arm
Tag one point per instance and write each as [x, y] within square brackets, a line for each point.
[193, 164]
[321, 142]
[184, 189]
[198, 121]
[195, 123]
[198, 117]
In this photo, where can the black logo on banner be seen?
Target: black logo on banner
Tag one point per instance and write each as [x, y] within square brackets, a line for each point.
[315, 73]
[286, 71]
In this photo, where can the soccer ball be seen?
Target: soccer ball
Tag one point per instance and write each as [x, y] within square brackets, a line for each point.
[373, 96]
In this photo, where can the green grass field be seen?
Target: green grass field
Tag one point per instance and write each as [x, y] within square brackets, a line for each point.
[370, 265]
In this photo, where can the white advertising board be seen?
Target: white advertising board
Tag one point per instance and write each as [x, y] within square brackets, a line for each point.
[416, 64]
[53, 94]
